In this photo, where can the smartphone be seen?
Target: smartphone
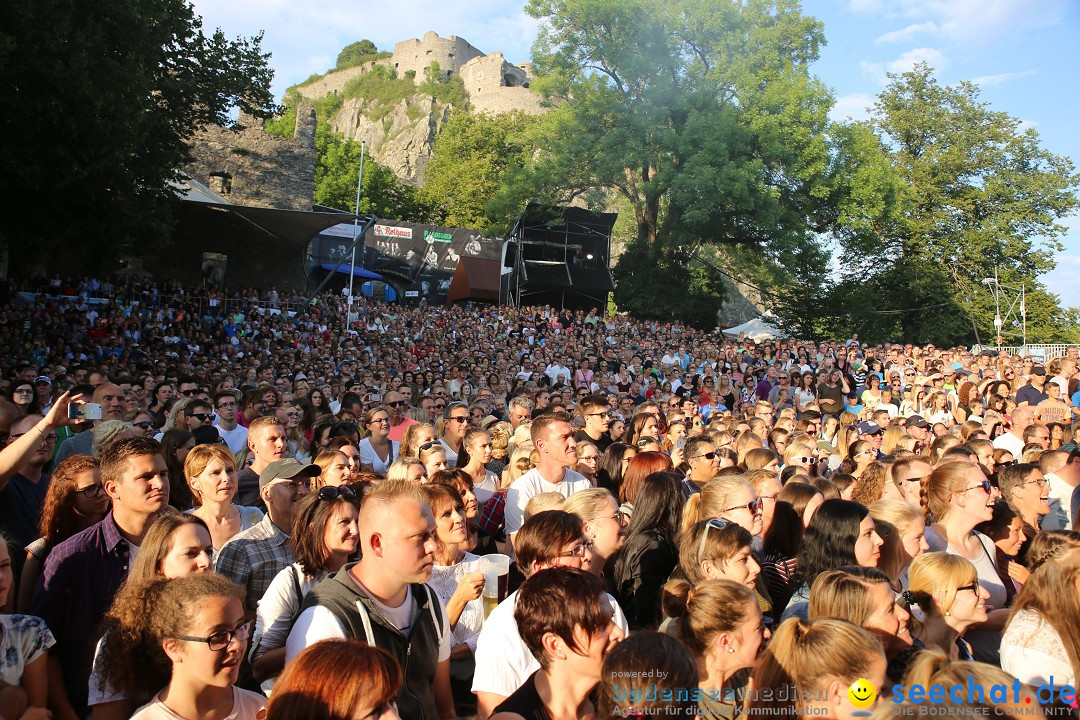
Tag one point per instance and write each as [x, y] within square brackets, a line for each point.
[86, 411]
[680, 443]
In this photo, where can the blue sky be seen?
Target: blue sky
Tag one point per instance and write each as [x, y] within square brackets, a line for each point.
[1022, 53]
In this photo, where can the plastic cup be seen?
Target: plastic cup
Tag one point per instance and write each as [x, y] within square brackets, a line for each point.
[496, 570]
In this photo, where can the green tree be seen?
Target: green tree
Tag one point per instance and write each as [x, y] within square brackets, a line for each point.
[703, 115]
[934, 192]
[382, 194]
[471, 156]
[101, 101]
[356, 53]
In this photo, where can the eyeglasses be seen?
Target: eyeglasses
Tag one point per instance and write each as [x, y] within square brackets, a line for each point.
[394, 403]
[188, 393]
[646, 440]
[707, 456]
[805, 459]
[458, 418]
[985, 485]
[589, 458]
[91, 491]
[439, 406]
[1041, 482]
[50, 438]
[225, 406]
[222, 640]
[293, 413]
[379, 421]
[333, 492]
[1005, 463]
[578, 550]
[973, 587]
[24, 391]
[606, 413]
[719, 524]
[144, 424]
[754, 506]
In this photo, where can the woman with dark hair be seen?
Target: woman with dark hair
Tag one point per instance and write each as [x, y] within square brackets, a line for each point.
[640, 467]
[175, 446]
[651, 552]
[566, 620]
[325, 534]
[644, 425]
[840, 533]
[337, 680]
[163, 392]
[613, 466]
[24, 397]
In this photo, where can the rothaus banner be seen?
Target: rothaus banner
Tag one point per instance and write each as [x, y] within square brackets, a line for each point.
[420, 258]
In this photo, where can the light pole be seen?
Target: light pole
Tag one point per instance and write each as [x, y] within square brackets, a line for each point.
[1016, 312]
[356, 230]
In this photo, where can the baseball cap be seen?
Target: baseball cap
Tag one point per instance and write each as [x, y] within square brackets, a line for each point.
[916, 421]
[868, 427]
[42, 379]
[1037, 370]
[287, 469]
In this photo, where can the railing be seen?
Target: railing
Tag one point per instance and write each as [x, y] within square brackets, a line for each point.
[1047, 351]
[214, 305]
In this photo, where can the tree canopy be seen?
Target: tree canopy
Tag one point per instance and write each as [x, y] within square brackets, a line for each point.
[355, 53]
[101, 99]
[702, 115]
[934, 192]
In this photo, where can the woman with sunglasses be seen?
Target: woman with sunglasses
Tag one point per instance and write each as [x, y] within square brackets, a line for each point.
[728, 498]
[861, 454]
[74, 501]
[176, 546]
[377, 450]
[325, 535]
[957, 498]
[946, 599]
[291, 416]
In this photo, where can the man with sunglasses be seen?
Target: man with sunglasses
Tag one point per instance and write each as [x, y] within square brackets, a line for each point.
[197, 413]
[597, 414]
[703, 461]
[396, 405]
[455, 425]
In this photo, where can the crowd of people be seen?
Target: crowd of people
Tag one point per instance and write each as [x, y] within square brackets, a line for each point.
[226, 505]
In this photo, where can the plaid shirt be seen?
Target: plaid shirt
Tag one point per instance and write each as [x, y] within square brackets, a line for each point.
[253, 557]
[492, 516]
[77, 586]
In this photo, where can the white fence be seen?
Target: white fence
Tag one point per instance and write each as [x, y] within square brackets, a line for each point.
[1044, 351]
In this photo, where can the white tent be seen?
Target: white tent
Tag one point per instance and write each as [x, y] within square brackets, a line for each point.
[757, 329]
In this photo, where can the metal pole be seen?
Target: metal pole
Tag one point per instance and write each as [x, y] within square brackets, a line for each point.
[356, 227]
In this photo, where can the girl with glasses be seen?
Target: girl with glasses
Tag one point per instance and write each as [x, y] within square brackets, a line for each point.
[946, 599]
[74, 501]
[604, 525]
[128, 666]
[324, 538]
[958, 497]
[199, 637]
[25, 399]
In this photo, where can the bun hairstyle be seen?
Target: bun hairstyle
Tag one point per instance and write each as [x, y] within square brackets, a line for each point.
[713, 499]
[704, 610]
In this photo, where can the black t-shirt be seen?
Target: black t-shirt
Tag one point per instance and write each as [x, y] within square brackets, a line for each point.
[601, 444]
[247, 489]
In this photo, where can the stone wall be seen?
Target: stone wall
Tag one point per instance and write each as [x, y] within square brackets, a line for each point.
[496, 86]
[450, 52]
[334, 82]
[250, 167]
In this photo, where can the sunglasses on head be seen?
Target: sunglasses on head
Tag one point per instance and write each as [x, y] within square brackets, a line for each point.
[428, 445]
[332, 492]
[717, 523]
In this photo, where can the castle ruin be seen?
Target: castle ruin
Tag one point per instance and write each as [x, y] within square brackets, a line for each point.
[248, 166]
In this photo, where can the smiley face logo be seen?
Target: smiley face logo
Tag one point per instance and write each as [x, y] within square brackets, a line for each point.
[862, 693]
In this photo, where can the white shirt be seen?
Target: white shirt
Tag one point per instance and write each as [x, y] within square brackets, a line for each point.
[368, 456]
[318, 623]
[1032, 652]
[246, 706]
[487, 488]
[236, 438]
[1010, 442]
[1060, 515]
[451, 456]
[533, 483]
[503, 661]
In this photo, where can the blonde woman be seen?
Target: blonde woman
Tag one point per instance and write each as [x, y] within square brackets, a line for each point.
[744, 444]
[335, 469]
[891, 438]
[727, 498]
[407, 468]
[902, 528]
[211, 474]
[822, 658]
[946, 599]
[416, 436]
[520, 463]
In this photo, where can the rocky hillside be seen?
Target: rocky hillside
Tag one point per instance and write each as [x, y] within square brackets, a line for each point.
[397, 104]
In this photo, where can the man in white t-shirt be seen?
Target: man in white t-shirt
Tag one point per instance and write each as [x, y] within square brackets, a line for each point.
[503, 661]
[383, 599]
[553, 436]
[1013, 440]
[1062, 471]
